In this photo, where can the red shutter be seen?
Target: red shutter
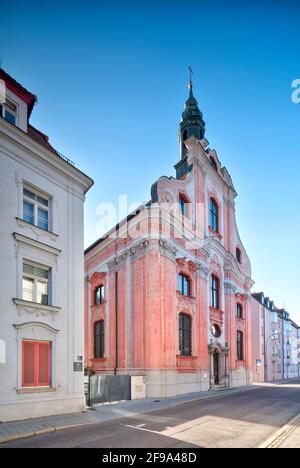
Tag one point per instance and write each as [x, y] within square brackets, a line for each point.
[36, 364]
[43, 364]
[28, 364]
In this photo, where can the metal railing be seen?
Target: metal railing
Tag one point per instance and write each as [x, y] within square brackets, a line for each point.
[67, 160]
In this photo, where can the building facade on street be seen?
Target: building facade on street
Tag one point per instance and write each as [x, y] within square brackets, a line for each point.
[167, 292]
[275, 341]
[41, 289]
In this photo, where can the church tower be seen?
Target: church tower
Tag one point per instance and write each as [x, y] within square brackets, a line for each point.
[192, 123]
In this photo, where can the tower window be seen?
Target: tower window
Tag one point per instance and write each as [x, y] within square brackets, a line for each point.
[185, 135]
[213, 163]
[214, 215]
[183, 204]
[238, 255]
[185, 335]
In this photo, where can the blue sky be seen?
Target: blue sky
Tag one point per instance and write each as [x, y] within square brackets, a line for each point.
[111, 78]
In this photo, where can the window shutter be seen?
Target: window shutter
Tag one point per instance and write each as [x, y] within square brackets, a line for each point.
[36, 364]
[28, 364]
[43, 364]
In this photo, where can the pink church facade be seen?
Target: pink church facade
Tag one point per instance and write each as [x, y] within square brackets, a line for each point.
[167, 292]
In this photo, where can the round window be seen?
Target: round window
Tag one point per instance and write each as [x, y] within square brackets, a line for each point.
[216, 331]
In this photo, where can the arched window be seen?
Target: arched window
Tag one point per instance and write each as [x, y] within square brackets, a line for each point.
[99, 295]
[238, 255]
[213, 163]
[184, 205]
[184, 285]
[215, 292]
[185, 135]
[185, 335]
[240, 346]
[214, 215]
[239, 310]
[99, 339]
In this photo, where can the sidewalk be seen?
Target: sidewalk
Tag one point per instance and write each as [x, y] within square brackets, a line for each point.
[287, 437]
[99, 413]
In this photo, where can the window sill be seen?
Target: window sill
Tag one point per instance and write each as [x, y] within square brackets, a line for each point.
[35, 308]
[94, 306]
[215, 233]
[183, 296]
[25, 390]
[21, 222]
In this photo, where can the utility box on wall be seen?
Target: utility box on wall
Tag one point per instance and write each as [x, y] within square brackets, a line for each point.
[138, 387]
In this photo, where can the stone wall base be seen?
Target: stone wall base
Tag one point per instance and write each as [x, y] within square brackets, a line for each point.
[167, 383]
[36, 408]
[241, 377]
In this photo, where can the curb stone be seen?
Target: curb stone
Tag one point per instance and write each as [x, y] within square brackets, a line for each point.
[280, 436]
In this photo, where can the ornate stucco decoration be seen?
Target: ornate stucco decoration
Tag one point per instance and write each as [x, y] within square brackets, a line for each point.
[38, 310]
[230, 288]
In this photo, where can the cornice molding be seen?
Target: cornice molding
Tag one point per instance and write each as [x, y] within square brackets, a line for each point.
[20, 239]
[39, 310]
[20, 326]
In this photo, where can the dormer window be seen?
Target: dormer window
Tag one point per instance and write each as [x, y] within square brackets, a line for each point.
[8, 111]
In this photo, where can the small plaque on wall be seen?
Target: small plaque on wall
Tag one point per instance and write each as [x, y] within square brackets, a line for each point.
[78, 367]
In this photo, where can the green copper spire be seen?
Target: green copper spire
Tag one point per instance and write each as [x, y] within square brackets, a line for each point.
[192, 124]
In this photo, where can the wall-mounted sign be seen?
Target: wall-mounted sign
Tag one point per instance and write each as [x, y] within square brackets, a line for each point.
[78, 367]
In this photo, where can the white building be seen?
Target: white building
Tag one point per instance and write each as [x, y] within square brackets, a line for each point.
[292, 351]
[41, 250]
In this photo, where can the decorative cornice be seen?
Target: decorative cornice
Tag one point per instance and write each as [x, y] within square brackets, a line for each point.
[167, 249]
[135, 251]
[20, 326]
[230, 288]
[19, 238]
[38, 232]
[39, 310]
[202, 270]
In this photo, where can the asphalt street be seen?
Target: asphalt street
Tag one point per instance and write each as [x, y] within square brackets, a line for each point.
[239, 420]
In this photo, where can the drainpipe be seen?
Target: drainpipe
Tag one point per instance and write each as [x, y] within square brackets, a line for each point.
[116, 331]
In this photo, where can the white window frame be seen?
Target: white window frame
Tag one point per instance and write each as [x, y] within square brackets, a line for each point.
[6, 107]
[36, 331]
[36, 205]
[37, 279]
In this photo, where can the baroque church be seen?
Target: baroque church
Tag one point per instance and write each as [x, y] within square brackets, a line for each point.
[167, 291]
